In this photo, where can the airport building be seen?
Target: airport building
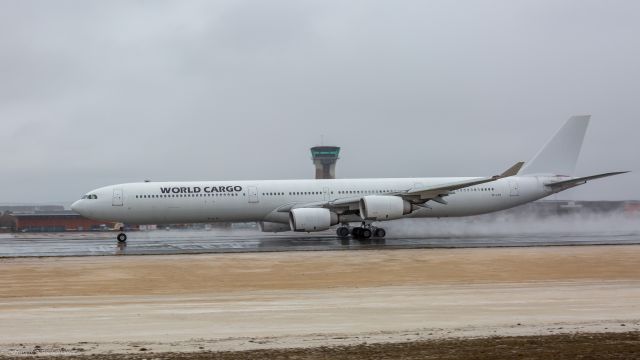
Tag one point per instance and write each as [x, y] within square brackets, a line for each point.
[46, 218]
[325, 158]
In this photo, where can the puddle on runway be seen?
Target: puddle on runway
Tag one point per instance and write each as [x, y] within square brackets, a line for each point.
[226, 241]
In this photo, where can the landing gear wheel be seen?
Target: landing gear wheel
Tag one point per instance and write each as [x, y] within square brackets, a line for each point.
[342, 232]
[361, 233]
[122, 237]
[379, 233]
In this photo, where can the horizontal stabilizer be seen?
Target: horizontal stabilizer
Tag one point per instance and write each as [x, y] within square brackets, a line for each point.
[581, 180]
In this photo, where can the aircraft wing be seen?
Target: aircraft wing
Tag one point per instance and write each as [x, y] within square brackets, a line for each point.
[418, 195]
[437, 192]
[565, 184]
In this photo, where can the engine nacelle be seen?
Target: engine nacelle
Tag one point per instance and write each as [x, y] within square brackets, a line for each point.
[311, 219]
[381, 207]
[266, 226]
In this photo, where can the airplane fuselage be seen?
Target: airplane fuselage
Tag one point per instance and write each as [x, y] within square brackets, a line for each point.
[243, 201]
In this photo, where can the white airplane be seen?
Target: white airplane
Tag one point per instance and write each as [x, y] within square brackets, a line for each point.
[317, 205]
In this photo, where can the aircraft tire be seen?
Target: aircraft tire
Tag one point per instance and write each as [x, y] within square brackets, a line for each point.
[342, 232]
[122, 237]
[379, 233]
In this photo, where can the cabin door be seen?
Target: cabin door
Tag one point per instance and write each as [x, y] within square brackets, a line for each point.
[253, 194]
[117, 197]
[514, 190]
[326, 194]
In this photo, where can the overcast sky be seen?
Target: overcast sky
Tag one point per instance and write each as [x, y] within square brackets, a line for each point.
[94, 93]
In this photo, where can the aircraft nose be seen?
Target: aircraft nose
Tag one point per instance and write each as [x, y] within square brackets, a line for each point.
[76, 206]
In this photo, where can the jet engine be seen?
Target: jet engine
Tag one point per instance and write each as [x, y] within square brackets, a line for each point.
[311, 219]
[266, 226]
[380, 207]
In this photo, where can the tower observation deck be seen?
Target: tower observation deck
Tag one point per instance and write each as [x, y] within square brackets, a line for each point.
[325, 158]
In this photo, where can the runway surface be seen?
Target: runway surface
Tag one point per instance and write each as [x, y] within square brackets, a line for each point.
[249, 290]
[232, 241]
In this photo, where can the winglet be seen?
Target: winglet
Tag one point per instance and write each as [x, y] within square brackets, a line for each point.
[512, 171]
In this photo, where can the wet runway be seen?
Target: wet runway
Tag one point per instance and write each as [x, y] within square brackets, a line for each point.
[230, 241]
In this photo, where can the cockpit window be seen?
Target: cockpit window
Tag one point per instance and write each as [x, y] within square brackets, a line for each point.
[90, 196]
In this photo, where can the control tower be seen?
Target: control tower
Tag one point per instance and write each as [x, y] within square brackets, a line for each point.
[325, 158]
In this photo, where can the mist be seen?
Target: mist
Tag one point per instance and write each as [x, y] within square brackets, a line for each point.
[518, 225]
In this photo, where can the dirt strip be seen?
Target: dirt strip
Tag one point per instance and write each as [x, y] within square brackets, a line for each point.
[268, 301]
[184, 274]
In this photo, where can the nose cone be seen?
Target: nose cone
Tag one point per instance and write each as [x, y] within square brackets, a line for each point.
[76, 206]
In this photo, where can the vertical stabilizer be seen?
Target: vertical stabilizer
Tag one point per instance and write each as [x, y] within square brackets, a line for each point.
[560, 155]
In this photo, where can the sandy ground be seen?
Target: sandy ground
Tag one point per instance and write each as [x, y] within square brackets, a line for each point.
[217, 302]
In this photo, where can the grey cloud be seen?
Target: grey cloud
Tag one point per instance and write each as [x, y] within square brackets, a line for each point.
[93, 93]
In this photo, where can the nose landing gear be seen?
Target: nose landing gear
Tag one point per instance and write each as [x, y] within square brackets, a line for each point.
[122, 237]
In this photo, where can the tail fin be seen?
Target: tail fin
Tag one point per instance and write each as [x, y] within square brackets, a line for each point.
[560, 155]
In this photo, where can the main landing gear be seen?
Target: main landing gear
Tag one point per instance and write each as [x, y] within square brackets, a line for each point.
[365, 231]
